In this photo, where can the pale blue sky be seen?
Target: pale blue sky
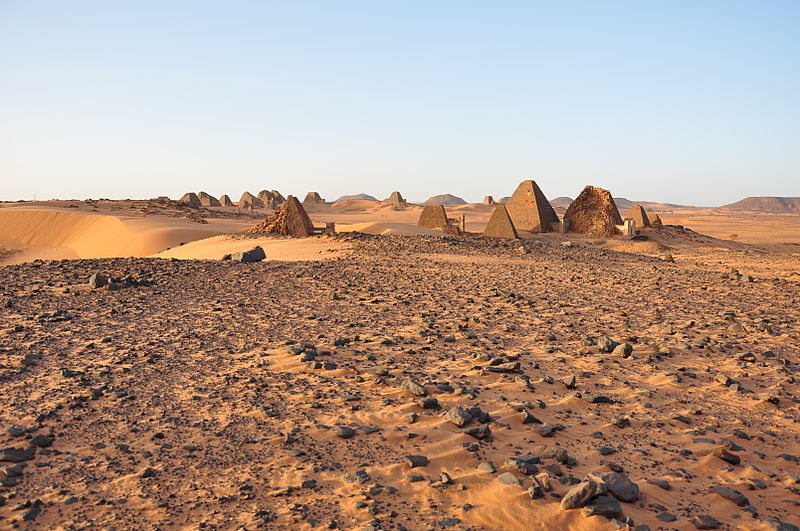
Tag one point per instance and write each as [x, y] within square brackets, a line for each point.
[693, 102]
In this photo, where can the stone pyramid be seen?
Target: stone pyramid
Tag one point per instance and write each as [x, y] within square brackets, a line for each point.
[529, 208]
[291, 219]
[396, 199]
[500, 225]
[224, 200]
[655, 221]
[639, 216]
[208, 200]
[433, 217]
[191, 199]
[249, 199]
[266, 197]
[313, 198]
[593, 213]
[488, 200]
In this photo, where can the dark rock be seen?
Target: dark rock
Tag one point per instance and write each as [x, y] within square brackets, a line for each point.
[345, 432]
[732, 494]
[415, 461]
[479, 432]
[618, 484]
[256, 254]
[16, 455]
[97, 281]
[602, 506]
[728, 457]
[666, 517]
[42, 441]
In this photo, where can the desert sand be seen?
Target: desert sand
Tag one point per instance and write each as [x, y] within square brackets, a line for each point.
[395, 377]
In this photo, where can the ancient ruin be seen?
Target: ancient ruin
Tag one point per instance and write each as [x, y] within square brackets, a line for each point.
[291, 219]
[593, 213]
[208, 200]
[488, 200]
[500, 225]
[529, 209]
[249, 200]
[224, 200]
[313, 198]
[639, 216]
[190, 199]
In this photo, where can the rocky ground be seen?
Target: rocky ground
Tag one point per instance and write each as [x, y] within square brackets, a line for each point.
[415, 383]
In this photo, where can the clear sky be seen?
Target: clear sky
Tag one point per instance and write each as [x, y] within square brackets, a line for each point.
[693, 102]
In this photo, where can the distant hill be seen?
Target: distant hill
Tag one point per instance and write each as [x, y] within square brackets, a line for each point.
[355, 197]
[625, 204]
[445, 199]
[561, 202]
[771, 205]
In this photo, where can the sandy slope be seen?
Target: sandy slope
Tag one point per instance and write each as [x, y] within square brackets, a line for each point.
[277, 248]
[61, 233]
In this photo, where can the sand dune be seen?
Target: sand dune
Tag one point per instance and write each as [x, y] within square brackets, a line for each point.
[61, 233]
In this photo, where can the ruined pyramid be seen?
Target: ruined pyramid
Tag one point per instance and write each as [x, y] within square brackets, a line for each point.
[291, 219]
[530, 210]
[500, 225]
[396, 199]
[655, 221]
[593, 213]
[266, 197]
[251, 200]
[208, 200]
[639, 216]
[488, 200]
[313, 198]
[224, 200]
[190, 199]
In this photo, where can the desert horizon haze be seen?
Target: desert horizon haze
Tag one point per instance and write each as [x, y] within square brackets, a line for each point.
[399, 266]
[689, 103]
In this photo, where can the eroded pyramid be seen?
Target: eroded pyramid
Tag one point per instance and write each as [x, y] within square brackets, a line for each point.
[249, 199]
[191, 199]
[208, 200]
[530, 210]
[224, 200]
[291, 219]
[593, 213]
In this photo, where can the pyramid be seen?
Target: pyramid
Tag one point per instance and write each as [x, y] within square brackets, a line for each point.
[639, 216]
[529, 208]
[313, 198]
[396, 199]
[266, 197]
[249, 199]
[500, 225]
[433, 217]
[224, 200]
[291, 219]
[191, 199]
[593, 213]
[208, 200]
[488, 200]
[655, 221]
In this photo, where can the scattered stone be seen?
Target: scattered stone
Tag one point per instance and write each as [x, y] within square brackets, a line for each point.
[618, 484]
[728, 457]
[580, 495]
[458, 416]
[415, 461]
[413, 387]
[704, 521]
[507, 478]
[732, 494]
[602, 506]
[345, 432]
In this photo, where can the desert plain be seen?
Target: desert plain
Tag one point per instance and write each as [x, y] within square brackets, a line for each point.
[391, 376]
